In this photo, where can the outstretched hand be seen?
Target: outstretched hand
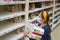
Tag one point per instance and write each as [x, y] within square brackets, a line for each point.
[26, 34]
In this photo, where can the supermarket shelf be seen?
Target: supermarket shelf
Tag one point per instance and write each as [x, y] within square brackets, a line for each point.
[50, 12]
[55, 20]
[57, 9]
[38, 9]
[12, 2]
[12, 36]
[59, 20]
[57, 14]
[55, 25]
[39, 1]
[58, 17]
[8, 15]
[6, 27]
[57, 4]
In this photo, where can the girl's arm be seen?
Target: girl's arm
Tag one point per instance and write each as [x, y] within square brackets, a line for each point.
[29, 29]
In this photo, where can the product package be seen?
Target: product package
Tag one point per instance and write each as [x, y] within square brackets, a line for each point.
[31, 6]
[17, 31]
[36, 32]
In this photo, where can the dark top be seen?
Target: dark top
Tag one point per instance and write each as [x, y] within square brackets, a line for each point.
[46, 35]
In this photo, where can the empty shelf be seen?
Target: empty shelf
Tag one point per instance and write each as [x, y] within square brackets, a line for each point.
[39, 1]
[55, 25]
[57, 4]
[57, 13]
[12, 36]
[7, 27]
[59, 20]
[12, 2]
[55, 19]
[8, 15]
[58, 17]
[38, 9]
[57, 9]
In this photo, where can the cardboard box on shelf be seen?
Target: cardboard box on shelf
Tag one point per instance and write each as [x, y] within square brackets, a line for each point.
[13, 8]
[23, 7]
[17, 31]
[31, 6]
[14, 20]
[31, 16]
[21, 29]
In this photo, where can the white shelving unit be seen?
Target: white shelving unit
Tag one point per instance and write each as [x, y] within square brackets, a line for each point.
[7, 29]
[9, 15]
[57, 10]
[39, 1]
[57, 4]
[38, 9]
[12, 36]
[12, 2]
[57, 13]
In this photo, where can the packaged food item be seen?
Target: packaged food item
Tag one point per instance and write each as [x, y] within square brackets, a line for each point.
[32, 6]
[18, 31]
[36, 32]
[32, 15]
[13, 8]
[14, 20]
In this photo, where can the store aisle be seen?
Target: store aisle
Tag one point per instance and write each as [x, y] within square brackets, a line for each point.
[56, 33]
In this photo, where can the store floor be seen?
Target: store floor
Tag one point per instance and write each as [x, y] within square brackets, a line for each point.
[56, 33]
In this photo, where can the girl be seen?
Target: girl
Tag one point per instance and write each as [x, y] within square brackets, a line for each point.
[44, 19]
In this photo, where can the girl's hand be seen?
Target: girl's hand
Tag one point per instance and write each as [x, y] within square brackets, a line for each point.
[26, 34]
